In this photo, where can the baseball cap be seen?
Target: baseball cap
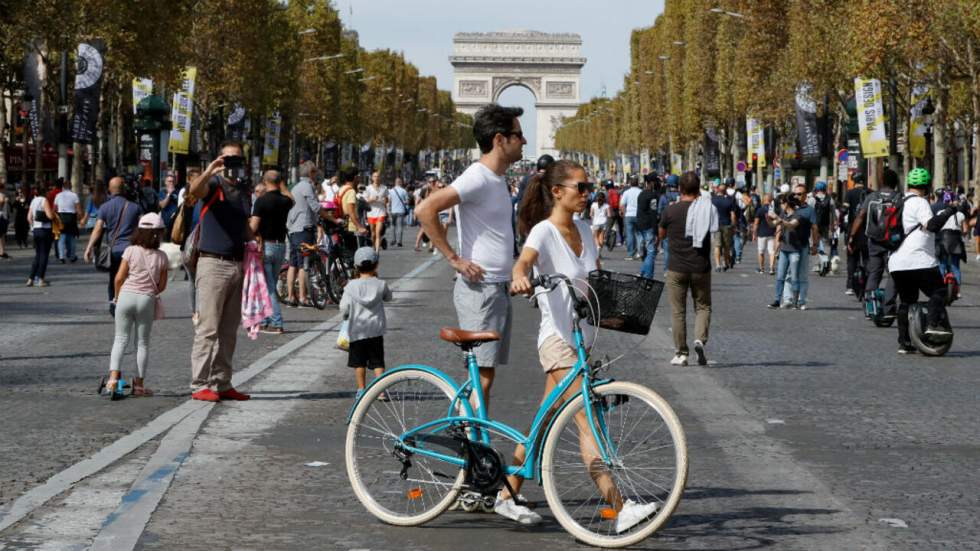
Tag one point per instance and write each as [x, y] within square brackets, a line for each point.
[152, 221]
[673, 180]
[821, 186]
[365, 255]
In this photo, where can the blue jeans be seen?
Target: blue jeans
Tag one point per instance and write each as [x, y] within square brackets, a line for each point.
[798, 290]
[787, 267]
[66, 247]
[666, 251]
[273, 256]
[739, 243]
[630, 235]
[951, 264]
[649, 262]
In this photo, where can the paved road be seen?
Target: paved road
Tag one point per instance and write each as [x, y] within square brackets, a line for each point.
[806, 432]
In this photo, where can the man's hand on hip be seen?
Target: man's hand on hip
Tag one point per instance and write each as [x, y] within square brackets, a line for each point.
[467, 268]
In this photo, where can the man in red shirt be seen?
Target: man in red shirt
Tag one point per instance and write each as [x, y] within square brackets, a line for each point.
[615, 219]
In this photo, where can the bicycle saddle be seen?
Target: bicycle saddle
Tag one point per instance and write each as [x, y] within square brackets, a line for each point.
[458, 336]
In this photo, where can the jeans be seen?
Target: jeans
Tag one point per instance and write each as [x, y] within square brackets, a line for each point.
[787, 267]
[951, 264]
[43, 238]
[649, 261]
[273, 255]
[909, 283]
[398, 227]
[738, 243]
[666, 251]
[66, 247]
[630, 235]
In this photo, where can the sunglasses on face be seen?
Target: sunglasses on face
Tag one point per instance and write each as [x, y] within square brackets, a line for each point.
[581, 187]
[518, 133]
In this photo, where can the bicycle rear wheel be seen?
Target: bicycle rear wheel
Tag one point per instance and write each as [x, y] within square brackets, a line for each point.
[414, 397]
[282, 289]
[319, 284]
[341, 271]
[649, 465]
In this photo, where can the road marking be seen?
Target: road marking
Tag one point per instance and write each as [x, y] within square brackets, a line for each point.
[894, 522]
[57, 484]
[775, 421]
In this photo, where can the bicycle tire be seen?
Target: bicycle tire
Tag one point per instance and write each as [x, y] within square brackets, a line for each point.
[551, 469]
[396, 492]
[282, 285]
[340, 272]
[319, 284]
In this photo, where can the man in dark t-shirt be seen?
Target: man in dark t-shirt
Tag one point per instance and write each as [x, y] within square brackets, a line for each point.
[646, 227]
[764, 232]
[857, 248]
[723, 241]
[688, 269]
[268, 223]
[224, 230]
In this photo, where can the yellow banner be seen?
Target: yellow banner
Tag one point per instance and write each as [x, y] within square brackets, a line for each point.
[181, 114]
[917, 132]
[871, 118]
[142, 87]
[756, 142]
[270, 150]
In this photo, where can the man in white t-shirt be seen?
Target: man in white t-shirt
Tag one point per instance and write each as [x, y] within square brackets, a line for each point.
[913, 266]
[482, 203]
[627, 207]
[69, 209]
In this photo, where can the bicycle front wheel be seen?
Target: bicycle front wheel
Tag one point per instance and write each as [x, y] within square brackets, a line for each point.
[282, 287]
[319, 285]
[341, 271]
[430, 486]
[648, 469]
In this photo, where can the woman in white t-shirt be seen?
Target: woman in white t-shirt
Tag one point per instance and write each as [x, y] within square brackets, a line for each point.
[600, 215]
[376, 196]
[39, 216]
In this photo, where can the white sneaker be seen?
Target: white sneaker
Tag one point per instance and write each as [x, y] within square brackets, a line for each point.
[699, 351]
[510, 509]
[849, 292]
[679, 359]
[632, 514]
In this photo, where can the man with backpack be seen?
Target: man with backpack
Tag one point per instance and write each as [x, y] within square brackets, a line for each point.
[913, 265]
[869, 226]
[615, 220]
[647, 219]
[826, 215]
[857, 245]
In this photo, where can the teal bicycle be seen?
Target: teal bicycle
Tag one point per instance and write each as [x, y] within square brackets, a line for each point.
[611, 445]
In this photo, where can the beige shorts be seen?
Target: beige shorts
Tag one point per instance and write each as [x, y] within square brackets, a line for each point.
[555, 353]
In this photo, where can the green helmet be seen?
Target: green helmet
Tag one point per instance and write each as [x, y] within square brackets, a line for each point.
[918, 177]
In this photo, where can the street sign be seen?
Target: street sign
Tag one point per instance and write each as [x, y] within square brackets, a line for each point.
[842, 156]
[777, 174]
[740, 166]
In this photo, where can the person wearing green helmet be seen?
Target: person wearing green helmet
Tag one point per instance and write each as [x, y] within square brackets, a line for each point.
[914, 266]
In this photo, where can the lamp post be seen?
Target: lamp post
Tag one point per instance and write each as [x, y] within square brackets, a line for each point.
[927, 112]
[152, 118]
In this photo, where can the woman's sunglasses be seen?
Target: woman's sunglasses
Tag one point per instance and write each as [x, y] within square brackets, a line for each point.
[582, 187]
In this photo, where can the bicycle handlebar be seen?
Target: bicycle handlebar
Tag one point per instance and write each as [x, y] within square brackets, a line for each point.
[550, 281]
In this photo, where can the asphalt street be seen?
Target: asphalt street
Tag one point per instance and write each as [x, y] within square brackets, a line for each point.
[806, 431]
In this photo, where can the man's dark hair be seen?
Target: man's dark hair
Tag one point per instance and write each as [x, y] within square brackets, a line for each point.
[890, 179]
[544, 161]
[493, 119]
[231, 143]
[348, 174]
[690, 184]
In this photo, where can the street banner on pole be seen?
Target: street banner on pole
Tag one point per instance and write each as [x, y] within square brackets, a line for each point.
[270, 149]
[644, 161]
[236, 124]
[917, 141]
[142, 88]
[871, 118]
[181, 113]
[712, 153]
[756, 142]
[806, 124]
[35, 73]
[88, 88]
[676, 163]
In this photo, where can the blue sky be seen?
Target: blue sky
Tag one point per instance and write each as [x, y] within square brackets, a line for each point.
[423, 30]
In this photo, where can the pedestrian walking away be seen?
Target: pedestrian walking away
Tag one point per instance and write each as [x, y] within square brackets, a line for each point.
[268, 224]
[141, 279]
[722, 240]
[223, 231]
[627, 208]
[482, 203]
[867, 242]
[69, 210]
[398, 208]
[117, 220]
[687, 226]
[40, 216]
[647, 219]
[363, 307]
[21, 208]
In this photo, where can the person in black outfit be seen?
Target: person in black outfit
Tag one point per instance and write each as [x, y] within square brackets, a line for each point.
[857, 244]
[873, 256]
[646, 225]
[268, 223]
[723, 239]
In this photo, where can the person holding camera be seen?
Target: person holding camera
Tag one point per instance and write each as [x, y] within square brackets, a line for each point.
[118, 218]
[224, 230]
[793, 235]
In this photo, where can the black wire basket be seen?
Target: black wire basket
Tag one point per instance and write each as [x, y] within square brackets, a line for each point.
[623, 302]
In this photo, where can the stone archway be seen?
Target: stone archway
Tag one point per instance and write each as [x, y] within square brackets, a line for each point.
[547, 64]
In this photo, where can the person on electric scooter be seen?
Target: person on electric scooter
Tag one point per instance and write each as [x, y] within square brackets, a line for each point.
[914, 266]
[826, 214]
[860, 244]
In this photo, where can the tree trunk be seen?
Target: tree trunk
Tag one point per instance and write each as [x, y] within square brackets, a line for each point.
[3, 131]
[77, 168]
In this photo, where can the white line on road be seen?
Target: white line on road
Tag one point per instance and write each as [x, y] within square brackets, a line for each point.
[38, 496]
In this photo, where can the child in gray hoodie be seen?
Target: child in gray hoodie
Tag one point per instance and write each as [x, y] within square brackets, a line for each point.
[363, 307]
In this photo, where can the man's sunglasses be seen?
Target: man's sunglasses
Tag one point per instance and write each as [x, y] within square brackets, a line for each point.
[518, 133]
[582, 187]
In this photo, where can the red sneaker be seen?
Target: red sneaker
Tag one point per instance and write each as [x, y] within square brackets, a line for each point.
[206, 395]
[232, 394]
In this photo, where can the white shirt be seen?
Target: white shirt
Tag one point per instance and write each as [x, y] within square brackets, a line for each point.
[555, 256]
[918, 250]
[600, 214]
[37, 205]
[66, 202]
[328, 191]
[376, 199]
[955, 222]
[398, 200]
[629, 200]
[483, 221]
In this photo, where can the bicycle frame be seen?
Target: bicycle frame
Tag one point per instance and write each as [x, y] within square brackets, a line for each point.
[482, 423]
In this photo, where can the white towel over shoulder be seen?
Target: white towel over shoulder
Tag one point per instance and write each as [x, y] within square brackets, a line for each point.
[702, 218]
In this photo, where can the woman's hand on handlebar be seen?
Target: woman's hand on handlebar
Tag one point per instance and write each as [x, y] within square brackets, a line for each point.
[522, 286]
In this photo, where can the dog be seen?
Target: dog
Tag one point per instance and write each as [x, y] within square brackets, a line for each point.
[835, 265]
[174, 264]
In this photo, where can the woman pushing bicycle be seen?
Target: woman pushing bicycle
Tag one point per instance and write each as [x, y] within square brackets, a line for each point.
[558, 244]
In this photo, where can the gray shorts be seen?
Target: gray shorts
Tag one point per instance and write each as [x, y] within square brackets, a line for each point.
[485, 307]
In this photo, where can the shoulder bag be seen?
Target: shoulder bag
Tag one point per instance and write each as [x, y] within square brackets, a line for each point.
[103, 258]
[192, 251]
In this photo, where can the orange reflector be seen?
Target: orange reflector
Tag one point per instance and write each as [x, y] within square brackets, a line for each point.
[415, 493]
[608, 513]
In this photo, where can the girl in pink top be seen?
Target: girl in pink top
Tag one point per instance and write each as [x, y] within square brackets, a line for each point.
[142, 277]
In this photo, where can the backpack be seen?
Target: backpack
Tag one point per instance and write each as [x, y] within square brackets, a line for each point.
[338, 209]
[612, 199]
[884, 221]
[822, 208]
[147, 200]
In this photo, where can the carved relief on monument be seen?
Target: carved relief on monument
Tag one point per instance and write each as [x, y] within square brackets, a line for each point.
[473, 88]
[561, 89]
[534, 83]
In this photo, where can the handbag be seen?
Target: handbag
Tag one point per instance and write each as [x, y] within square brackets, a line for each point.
[192, 252]
[103, 258]
[179, 232]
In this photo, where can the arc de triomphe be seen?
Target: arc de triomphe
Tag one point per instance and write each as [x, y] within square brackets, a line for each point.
[549, 65]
